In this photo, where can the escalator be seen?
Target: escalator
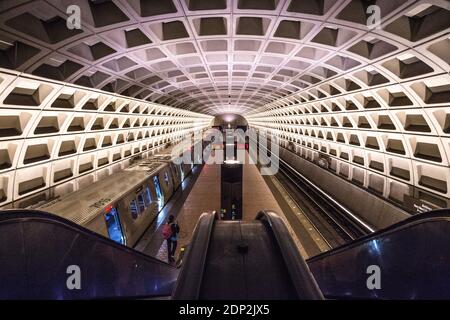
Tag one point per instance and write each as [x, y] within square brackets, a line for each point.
[411, 260]
[242, 260]
[258, 260]
[43, 256]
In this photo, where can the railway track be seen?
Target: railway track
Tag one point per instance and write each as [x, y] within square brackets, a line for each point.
[335, 227]
[336, 224]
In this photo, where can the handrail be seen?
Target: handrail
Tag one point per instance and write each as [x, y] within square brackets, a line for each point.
[418, 218]
[13, 215]
[410, 258]
[103, 263]
[191, 275]
[302, 278]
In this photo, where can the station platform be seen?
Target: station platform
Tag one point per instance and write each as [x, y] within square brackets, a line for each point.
[205, 196]
[255, 193]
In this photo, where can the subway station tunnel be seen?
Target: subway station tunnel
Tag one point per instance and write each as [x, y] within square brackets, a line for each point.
[355, 94]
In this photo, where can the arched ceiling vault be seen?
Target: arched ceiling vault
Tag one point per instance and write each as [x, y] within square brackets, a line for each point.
[374, 101]
[222, 56]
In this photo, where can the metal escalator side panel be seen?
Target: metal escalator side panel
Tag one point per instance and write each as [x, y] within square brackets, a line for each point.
[224, 276]
[411, 261]
[191, 274]
[302, 278]
[413, 219]
[43, 256]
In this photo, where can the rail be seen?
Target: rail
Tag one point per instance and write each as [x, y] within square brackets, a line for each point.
[345, 222]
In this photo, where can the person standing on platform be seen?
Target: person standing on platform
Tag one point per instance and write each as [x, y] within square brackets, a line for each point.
[170, 233]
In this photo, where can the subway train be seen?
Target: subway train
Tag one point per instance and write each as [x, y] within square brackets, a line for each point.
[123, 205]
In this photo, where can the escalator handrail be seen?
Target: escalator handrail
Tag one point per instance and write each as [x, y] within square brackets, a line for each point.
[302, 278]
[190, 278]
[18, 216]
[413, 220]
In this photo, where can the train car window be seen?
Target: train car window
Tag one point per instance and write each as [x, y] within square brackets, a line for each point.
[141, 203]
[114, 227]
[181, 172]
[134, 209]
[158, 190]
[176, 174]
[147, 196]
[166, 178]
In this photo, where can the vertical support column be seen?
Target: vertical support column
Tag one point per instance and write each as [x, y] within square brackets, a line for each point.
[231, 191]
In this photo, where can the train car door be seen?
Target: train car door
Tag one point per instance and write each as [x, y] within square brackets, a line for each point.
[159, 193]
[176, 176]
[113, 225]
[168, 183]
[181, 169]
